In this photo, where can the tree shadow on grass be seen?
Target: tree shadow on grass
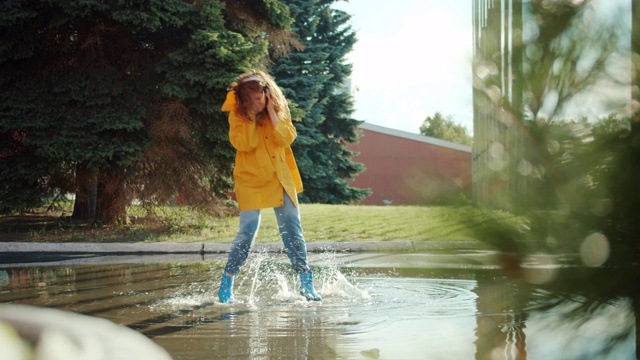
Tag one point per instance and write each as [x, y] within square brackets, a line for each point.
[52, 226]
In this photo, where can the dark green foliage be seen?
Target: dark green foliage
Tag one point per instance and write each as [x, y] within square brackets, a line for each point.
[439, 127]
[129, 89]
[311, 79]
[619, 178]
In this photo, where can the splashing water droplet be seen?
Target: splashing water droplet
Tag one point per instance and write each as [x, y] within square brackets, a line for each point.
[342, 288]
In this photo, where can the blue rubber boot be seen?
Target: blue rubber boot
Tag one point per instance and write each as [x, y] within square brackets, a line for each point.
[225, 294]
[306, 287]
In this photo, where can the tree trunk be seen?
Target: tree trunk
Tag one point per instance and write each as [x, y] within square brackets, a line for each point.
[84, 206]
[112, 198]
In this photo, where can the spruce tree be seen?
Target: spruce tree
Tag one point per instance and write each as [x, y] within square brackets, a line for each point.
[312, 79]
[123, 95]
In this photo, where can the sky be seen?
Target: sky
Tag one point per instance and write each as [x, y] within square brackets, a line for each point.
[412, 59]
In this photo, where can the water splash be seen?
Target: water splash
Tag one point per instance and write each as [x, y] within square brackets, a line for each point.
[283, 293]
[185, 297]
[267, 279]
[254, 284]
[338, 286]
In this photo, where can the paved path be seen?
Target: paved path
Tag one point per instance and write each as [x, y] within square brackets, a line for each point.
[216, 248]
[382, 253]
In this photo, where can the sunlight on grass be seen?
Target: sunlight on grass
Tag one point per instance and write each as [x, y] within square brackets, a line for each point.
[380, 223]
[321, 222]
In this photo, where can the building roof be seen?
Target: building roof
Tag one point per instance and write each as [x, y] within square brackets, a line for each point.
[415, 137]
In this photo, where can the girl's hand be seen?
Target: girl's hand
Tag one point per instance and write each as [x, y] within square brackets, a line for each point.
[267, 94]
[271, 110]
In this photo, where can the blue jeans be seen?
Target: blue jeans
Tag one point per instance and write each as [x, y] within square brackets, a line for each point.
[288, 217]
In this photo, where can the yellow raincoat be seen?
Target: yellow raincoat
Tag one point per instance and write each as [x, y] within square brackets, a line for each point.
[264, 161]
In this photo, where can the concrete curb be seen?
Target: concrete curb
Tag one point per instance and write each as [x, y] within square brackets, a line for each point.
[108, 248]
[216, 248]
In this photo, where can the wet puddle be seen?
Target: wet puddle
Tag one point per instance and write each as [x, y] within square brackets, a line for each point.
[375, 306]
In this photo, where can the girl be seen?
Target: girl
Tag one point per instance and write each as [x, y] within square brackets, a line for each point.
[265, 175]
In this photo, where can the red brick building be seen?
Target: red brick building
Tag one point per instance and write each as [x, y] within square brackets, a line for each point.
[404, 168]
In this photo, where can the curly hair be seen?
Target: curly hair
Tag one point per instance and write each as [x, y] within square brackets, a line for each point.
[253, 82]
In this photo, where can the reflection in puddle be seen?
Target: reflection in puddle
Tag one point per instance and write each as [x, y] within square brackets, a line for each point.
[554, 333]
[366, 312]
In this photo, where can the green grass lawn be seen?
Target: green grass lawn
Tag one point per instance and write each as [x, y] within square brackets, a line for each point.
[320, 222]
